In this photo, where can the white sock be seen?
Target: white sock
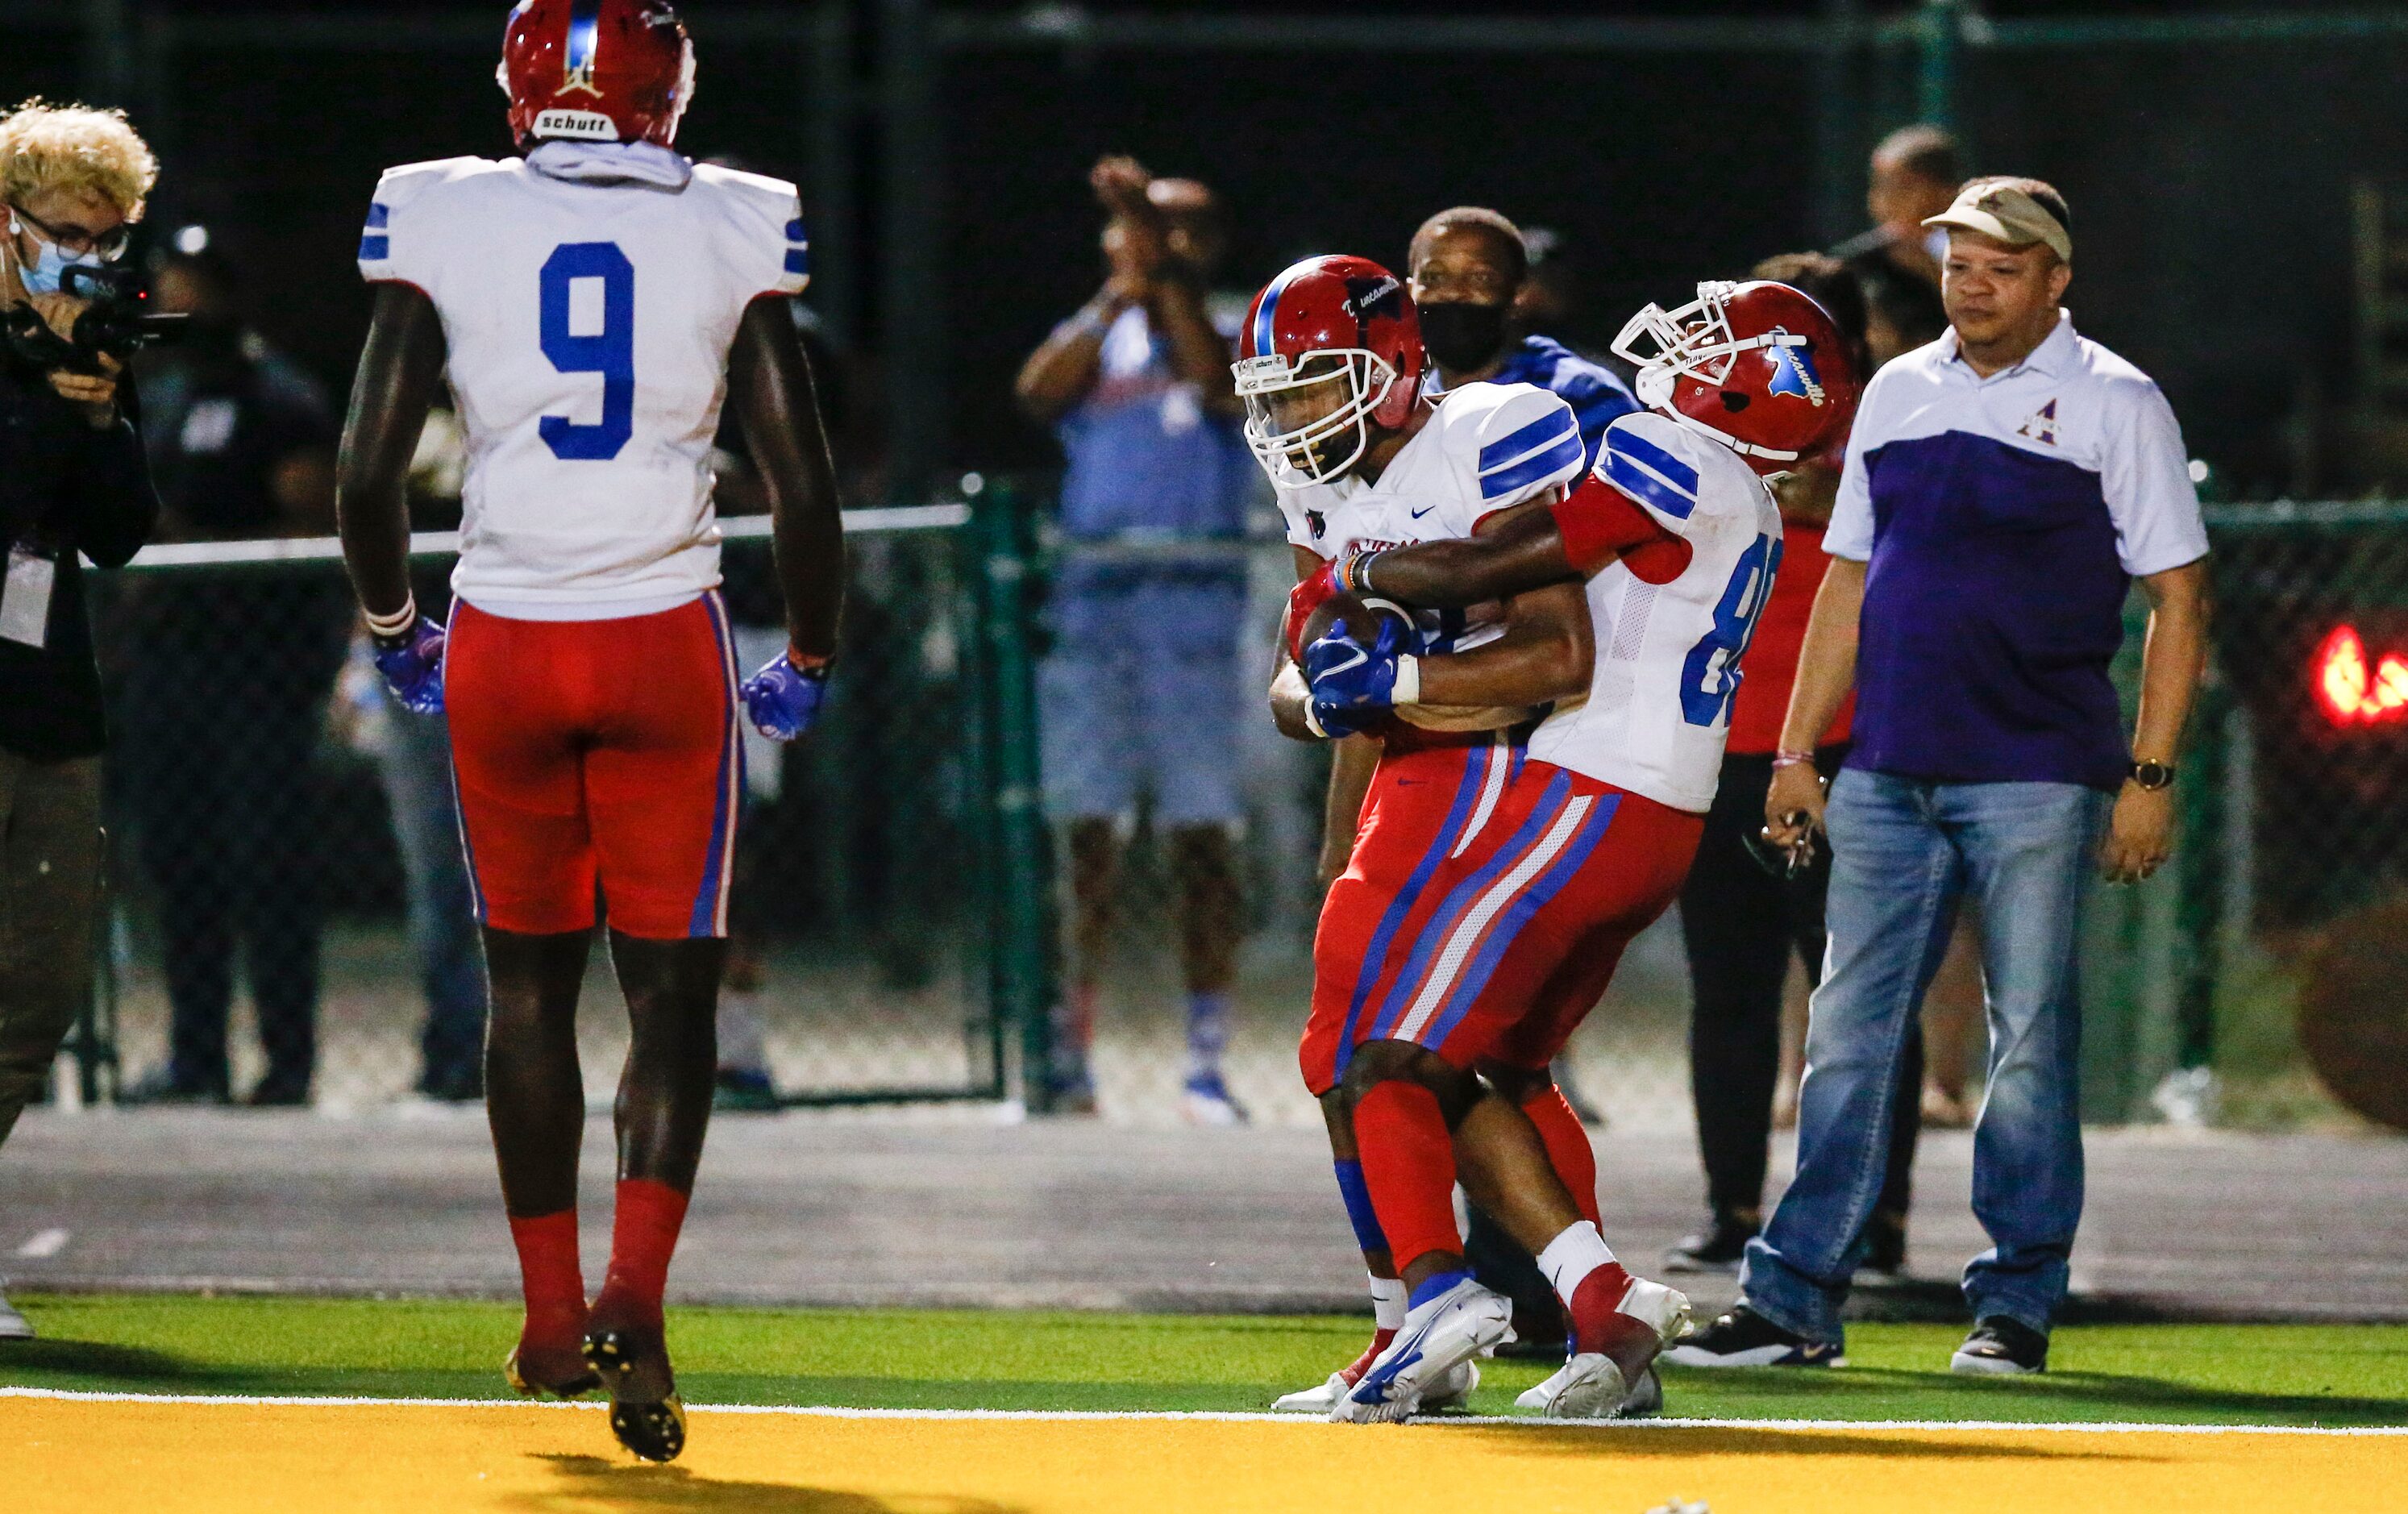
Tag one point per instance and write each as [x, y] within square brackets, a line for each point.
[1388, 1299]
[1571, 1257]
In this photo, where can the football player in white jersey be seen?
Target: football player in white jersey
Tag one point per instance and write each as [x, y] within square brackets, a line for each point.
[593, 305]
[1330, 368]
[1678, 538]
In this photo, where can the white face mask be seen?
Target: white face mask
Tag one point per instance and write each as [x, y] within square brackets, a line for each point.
[47, 274]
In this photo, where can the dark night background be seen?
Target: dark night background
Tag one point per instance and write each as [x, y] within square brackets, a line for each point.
[2210, 183]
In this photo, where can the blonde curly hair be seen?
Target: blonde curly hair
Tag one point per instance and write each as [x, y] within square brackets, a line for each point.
[75, 147]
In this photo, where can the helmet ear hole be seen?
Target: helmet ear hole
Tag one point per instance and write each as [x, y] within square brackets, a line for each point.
[1734, 401]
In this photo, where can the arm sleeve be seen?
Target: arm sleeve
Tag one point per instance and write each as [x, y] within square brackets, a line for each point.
[794, 270]
[1850, 533]
[1599, 522]
[2146, 474]
[400, 241]
[1529, 446]
[1658, 466]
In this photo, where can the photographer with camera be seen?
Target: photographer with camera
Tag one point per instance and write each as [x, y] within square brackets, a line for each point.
[73, 484]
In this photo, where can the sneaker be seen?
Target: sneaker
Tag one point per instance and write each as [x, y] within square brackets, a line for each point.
[1718, 1247]
[1206, 1100]
[1464, 1323]
[1616, 1338]
[13, 1326]
[2001, 1348]
[745, 1091]
[1744, 1339]
[1448, 1389]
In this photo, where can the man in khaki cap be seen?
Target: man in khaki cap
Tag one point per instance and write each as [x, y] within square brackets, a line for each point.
[2003, 486]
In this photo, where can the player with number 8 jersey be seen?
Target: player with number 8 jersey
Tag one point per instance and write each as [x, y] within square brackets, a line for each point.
[593, 305]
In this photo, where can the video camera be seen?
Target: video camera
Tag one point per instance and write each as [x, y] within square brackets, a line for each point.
[114, 323]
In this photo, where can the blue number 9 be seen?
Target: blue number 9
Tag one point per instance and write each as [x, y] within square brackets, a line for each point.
[610, 352]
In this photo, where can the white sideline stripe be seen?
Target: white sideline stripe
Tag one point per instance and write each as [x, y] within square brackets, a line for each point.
[446, 543]
[812, 1412]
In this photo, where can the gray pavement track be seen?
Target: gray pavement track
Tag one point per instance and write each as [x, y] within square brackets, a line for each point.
[961, 1209]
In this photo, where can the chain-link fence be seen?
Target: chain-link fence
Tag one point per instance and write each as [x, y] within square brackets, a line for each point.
[2294, 796]
[287, 909]
[906, 914]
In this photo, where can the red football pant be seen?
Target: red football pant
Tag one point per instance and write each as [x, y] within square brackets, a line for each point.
[1486, 905]
[599, 752]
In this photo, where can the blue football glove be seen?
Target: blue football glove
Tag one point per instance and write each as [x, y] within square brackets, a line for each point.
[1353, 685]
[785, 700]
[413, 666]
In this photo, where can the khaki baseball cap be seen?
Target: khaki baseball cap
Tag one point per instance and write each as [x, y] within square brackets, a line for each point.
[2009, 214]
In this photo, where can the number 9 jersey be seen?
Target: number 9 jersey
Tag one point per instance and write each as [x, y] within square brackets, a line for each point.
[589, 326]
[1658, 712]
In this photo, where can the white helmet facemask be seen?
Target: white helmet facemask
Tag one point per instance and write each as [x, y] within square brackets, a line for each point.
[1299, 454]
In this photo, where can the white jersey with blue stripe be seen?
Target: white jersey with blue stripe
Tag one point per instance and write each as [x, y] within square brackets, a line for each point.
[1488, 447]
[1658, 712]
[589, 326]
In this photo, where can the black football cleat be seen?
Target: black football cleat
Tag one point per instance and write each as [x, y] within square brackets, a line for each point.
[649, 1423]
[531, 1376]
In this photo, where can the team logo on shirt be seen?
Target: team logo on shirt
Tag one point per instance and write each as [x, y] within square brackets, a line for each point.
[2041, 426]
[1318, 521]
[1793, 373]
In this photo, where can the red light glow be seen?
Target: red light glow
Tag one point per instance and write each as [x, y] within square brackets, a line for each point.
[2351, 693]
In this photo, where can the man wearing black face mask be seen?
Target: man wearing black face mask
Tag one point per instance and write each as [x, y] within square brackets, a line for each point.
[236, 669]
[1468, 268]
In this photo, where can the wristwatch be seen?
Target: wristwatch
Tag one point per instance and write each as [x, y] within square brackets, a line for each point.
[2153, 775]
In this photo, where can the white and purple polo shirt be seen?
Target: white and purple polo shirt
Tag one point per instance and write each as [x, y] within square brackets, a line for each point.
[2002, 521]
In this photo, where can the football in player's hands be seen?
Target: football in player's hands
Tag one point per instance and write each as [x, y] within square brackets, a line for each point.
[783, 700]
[1354, 677]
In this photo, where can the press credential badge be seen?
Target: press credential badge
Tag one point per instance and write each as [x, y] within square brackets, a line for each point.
[25, 602]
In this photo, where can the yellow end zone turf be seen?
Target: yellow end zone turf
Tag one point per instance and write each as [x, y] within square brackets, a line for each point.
[169, 1456]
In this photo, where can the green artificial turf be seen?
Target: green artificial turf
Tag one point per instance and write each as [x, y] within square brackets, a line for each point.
[2336, 1375]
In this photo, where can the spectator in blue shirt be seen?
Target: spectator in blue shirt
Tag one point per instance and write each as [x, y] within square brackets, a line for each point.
[2003, 486]
[1142, 695]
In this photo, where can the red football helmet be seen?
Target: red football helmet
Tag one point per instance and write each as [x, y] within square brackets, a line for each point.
[596, 70]
[1758, 366]
[1331, 346]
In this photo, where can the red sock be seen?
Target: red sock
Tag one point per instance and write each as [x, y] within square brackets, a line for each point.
[550, 1276]
[1409, 1167]
[643, 1235]
[1568, 1149]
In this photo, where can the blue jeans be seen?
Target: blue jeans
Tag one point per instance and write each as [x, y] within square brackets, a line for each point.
[1903, 853]
[415, 760]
